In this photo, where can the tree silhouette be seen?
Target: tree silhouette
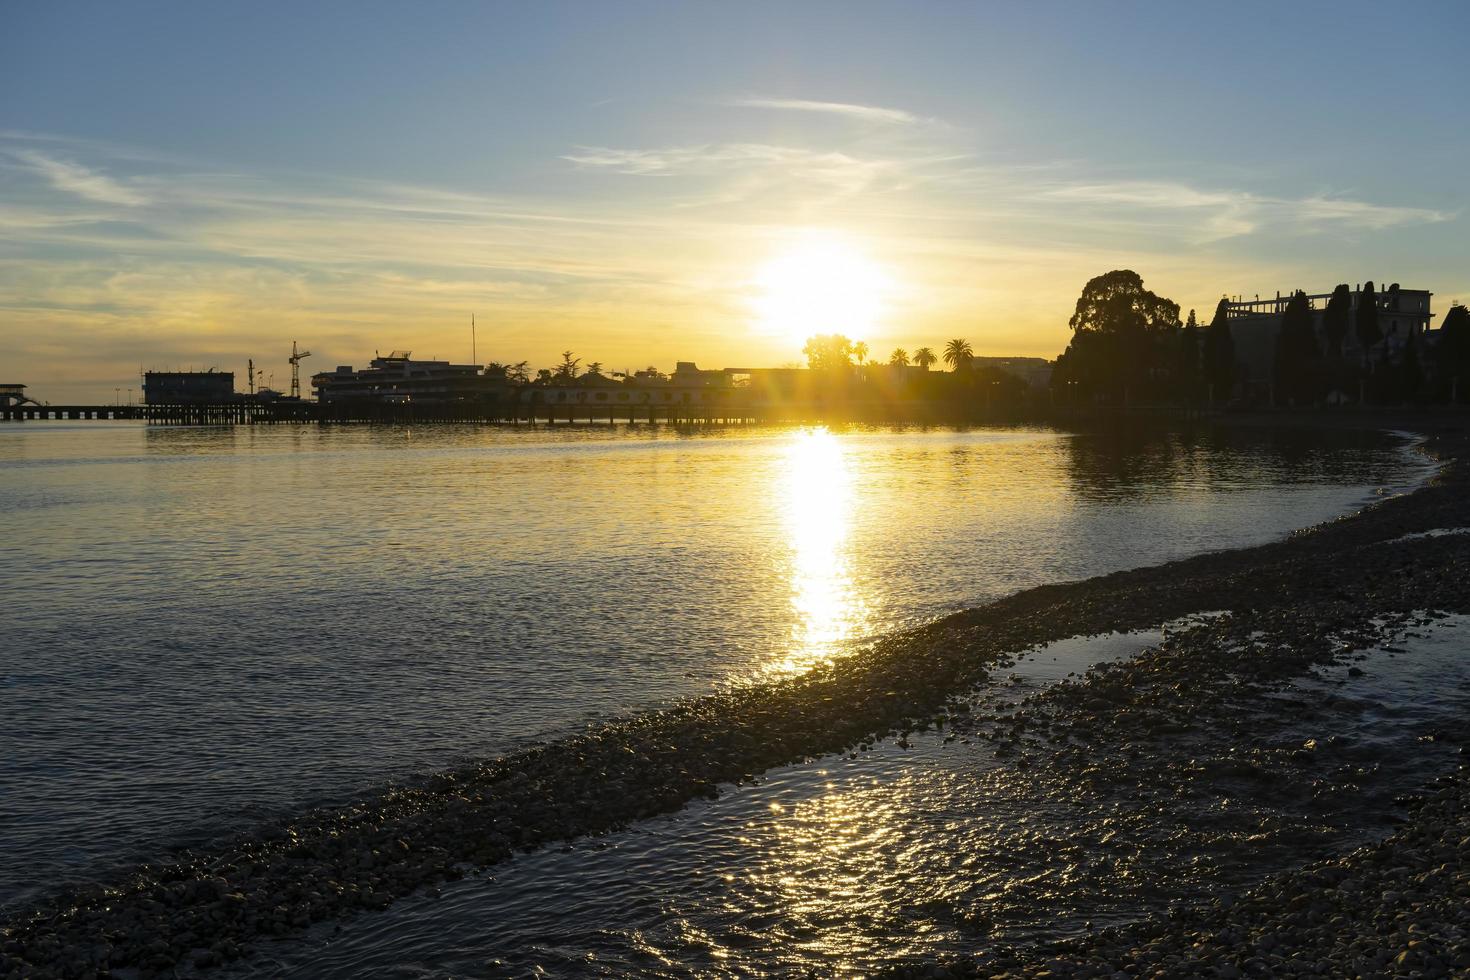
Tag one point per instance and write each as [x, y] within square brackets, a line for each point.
[1411, 372]
[1219, 354]
[860, 351]
[518, 371]
[595, 367]
[1122, 338]
[924, 358]
[1453, 351]
[828, 352]
[567, 369]
[899, 357]
[1189, 358]
[1335, 319]
[1367, 325]
[1296, 351]
[957, 353]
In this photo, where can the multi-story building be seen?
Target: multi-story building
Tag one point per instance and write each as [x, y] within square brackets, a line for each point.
[399, 379]
[1256, 323]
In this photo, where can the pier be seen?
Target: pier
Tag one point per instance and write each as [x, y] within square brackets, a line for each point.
[275, 413]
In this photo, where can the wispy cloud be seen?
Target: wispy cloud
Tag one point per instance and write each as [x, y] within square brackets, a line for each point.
[750, 168]
[867, 113]
[1219, 214]
[74, 178]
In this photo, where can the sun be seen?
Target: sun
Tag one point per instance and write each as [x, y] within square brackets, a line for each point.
[821, 283]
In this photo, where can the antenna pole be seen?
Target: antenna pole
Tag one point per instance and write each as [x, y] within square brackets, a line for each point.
[474, 351]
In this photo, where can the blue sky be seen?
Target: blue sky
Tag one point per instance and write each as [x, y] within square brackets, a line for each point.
[200, 183]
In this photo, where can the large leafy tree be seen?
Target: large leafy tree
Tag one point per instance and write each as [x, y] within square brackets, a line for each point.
[1296, 368]
[1122, 338]
[828, 352]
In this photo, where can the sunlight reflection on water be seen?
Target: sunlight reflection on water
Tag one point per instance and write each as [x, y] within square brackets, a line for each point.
[818, 498]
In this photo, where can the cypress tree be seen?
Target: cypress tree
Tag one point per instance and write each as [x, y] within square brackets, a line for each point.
[1411, 374]
[1189, 358]
[1219, 354]
[1296, 350]
[1368, 332]
[1452, 355]
[1335, 319]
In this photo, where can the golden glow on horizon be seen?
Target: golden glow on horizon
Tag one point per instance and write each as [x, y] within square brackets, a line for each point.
[818, 501]
[822, 283]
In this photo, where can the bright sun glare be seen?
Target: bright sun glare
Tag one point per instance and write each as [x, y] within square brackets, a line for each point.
[822, 283]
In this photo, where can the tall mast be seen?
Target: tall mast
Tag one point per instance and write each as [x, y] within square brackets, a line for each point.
[474, 352]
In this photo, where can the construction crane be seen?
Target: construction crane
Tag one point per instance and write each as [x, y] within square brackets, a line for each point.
[295, 359]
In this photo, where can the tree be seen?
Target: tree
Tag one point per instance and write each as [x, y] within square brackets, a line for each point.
[518, 372]
[1189, 358]
[1296, 351]
[1122, 338]
[860, 351]
[828, 352]
[595, 367]
[924, 358]
[899, 358]
[496, 370]
[1453, 352]
[1368, 331]
[1219, 354]
[957, 353]
[1335, 319]
[567, 369]
[543, 376]
[1411, 373]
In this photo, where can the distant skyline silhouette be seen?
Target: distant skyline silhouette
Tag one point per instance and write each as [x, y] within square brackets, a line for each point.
[193, 185]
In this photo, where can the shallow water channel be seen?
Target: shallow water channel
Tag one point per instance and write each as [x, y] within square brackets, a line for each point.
[933, 843]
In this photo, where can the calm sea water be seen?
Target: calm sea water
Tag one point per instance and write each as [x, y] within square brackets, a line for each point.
[204, 627]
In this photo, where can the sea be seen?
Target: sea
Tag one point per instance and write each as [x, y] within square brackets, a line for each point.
[206, 628]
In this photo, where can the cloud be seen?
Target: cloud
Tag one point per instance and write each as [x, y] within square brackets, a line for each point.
[1223, 214]
[755, 167]
[77, 179]
[868, 113]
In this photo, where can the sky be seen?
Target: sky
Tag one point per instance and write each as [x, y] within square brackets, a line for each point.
[191, 185]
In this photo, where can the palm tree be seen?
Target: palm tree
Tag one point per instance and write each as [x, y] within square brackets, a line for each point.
[899, 358]
[924, 357]
[957, 353]
[860, 351]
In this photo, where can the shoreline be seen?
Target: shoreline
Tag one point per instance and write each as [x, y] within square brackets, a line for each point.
[327, 864]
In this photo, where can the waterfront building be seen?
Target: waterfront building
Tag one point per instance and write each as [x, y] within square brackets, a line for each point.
[1255, 324]
[188, 387]
[399, 379]
[14, 395]
[1035, 371]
